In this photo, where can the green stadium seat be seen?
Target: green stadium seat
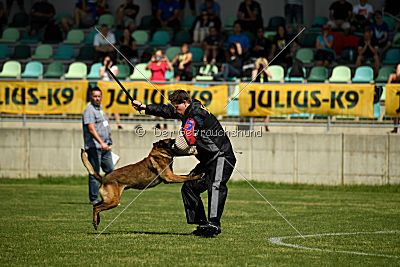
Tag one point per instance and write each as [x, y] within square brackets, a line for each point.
[364, 74]
[11, 69]
[94, 72]
[277, 72]
[391, 22]
[172, 51]
[300, 115]
[383, 75]
[295, 79]
[141, 37]
[377, 111]
[340, 74]
[182, 37]
[20, 20]
[160, 38]
[318, 74]
[64, 52]
[305, 55]
[43, 51]
[383, 96]
[3, 51]
[86, 53]
[90, 38]
[309, 39]
[233, 108]
[188, 23]
[145, 23]
[74, 36]
[22, 52]
[33, 69]
[123, 71]
[317, 24]
[55, 70]
[76, 70]
[169, 75]
[26, 39]
[206, 72]
[197, 53]
[139, 71]
[392, 56]
[269, 35]
[106, 19]
[10, 35]
[229, 22]
[396, 40]
[274, 22]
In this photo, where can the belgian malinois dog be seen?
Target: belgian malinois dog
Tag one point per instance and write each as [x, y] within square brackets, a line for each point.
[137, 176]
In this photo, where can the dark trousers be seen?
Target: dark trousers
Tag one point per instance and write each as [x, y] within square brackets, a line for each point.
[216, 176]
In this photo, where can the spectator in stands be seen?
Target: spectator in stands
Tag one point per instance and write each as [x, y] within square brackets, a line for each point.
[42, 14]
[249, 15]
[212, 46]
[108, 62]
[380, 31]
[340, 15]
[127, 14]
[3, 17]
[367, 50]
[260, 66]
[262, 45]
[192, 5]
[101, 8]
[233, 65]
[167, 15]
[213, 9]
[281, 39]
[158, 65]
[201, 27]
[127, 46]
[294, 13]
[325, 55]
[183, 64]
[9, 4]
[395, 78]
[361, 17]
[101, 47]
[238, 37]
[85, 13]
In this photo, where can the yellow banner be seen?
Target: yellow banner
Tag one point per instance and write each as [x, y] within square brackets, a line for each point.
[324, 99]
[392, 101]
[115, 100]
[44, 97]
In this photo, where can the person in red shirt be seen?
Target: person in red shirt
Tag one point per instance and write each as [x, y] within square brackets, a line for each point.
[158, 65]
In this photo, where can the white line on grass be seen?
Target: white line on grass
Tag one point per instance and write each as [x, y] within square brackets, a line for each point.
[279, 241]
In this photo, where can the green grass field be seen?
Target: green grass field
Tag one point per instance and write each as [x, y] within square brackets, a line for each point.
[48, 221]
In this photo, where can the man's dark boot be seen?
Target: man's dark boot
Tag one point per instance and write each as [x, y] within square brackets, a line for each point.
[210, 229]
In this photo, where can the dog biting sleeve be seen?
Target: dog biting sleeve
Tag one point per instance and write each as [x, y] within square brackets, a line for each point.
[181, 147]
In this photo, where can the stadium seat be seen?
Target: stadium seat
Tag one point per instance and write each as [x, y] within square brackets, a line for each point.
[141, 37]
[90, 38]
[26, 39]
[206, 72]
[251, 36]
[396, 40]
[123, 71]
[391, 22]
[140, 70]
[172, 51]
[106, 19]
[61, 15]
[76, 70]
[43, 51]
[188, 23]
[364, 74]
[145, 23]
[10, 35]
[274, 22]
[269, 35]
[348, 55]
[277, 72]
[74, 36]
[305, 55]
[340, 74]
[20, 20]
[94, 72]
[182, 37]
[86, 53]
[318, 74]
[169, 75]
[160, 38]
[64, 52]
[33, 69]
[3, 51]
[383, 75]
[11, 69]
[54, 70]
[295, 79]
[317, 24]
[309, 39]
[392, 56]
[377, 111]
[233, 108]
[22, 52]
[197, 53]
[229, 22]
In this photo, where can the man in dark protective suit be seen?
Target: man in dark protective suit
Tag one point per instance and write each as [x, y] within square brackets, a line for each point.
[201, 129]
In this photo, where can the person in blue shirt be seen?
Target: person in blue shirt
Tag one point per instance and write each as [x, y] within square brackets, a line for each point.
[380, 31]
[167, 15]
[325, 55]
[238, 37]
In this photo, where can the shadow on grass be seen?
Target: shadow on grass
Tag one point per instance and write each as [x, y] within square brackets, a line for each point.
[139, 233]
[75, 203]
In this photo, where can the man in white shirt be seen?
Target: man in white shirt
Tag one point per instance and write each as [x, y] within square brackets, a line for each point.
[362, 16]
[101, 47]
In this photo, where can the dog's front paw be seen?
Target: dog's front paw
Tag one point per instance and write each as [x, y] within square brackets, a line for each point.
[195, 177]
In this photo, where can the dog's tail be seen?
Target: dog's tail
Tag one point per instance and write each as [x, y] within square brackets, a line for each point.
[89, 166]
